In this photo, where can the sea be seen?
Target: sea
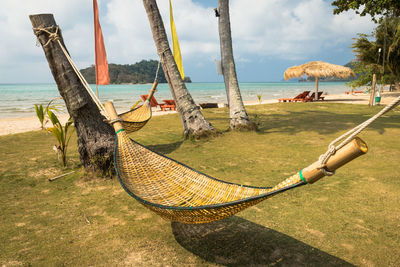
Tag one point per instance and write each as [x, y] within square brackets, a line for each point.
[18, 100]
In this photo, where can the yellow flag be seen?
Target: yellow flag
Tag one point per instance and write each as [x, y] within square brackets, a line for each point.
[175, 43]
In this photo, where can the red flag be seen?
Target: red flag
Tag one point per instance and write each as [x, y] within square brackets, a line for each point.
[102, 76]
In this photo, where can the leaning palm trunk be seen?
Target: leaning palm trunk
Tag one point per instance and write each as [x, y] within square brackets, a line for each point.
[95, 138]
[193, 120]
[237, 112]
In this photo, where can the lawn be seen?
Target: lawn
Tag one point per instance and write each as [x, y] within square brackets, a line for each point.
[351, 218]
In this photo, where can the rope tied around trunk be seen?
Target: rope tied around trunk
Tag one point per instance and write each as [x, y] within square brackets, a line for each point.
[349, 135]
[160, 55]
[53, 36]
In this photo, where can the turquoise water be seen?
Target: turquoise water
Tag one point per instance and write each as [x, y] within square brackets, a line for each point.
[17, 100]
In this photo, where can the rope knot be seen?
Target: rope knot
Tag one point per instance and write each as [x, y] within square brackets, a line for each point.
[53, 36]
[161, 54]
[331, 151]
[323, 159]
[324, 169]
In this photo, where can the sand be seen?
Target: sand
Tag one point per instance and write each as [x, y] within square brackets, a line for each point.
[26, 124]
[31, 123]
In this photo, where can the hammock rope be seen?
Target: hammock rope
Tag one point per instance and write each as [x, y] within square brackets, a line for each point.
[54, 37]
[349, 135]
[158, 69]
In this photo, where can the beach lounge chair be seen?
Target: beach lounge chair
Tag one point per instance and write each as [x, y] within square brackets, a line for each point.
[354, 92]
[301, 97]
[170, 104]
[312, 97]
[163, 106]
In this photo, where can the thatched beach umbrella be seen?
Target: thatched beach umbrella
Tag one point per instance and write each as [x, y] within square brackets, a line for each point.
[318, 69]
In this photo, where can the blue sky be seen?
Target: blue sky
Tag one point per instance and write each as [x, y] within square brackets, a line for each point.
[268, 35]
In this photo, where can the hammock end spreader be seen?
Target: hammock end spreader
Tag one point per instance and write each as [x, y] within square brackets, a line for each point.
[344, 155]
[112, 113]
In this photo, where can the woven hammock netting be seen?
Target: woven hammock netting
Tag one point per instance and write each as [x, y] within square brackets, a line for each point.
[133, 120]
[179, 193]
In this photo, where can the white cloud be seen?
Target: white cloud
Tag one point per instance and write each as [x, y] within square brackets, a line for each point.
[283, 29]
[291, 29]
[132, 38]
[17, 45]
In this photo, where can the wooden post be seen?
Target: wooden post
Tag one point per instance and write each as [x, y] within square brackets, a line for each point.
[350, 151]
[95, 137]
[372, 93]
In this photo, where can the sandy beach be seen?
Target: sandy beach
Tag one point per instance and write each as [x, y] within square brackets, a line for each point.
[26, 124]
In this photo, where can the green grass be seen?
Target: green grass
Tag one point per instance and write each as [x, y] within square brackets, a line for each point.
[351, 218]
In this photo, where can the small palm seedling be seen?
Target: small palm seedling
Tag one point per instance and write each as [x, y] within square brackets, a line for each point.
[41, 112]
[62, 134]
[259, 98]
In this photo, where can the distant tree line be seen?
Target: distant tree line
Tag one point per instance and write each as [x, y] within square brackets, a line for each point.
[140, 72]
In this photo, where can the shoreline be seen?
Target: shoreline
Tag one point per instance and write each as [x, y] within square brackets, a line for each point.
[13, 125]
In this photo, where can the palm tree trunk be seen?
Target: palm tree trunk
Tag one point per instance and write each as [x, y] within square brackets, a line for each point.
[194, 122]
[95, 137]
[237, 112]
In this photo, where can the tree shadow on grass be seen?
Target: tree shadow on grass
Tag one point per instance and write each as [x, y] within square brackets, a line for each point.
[237, 242]
[166, 148]
[321, 122]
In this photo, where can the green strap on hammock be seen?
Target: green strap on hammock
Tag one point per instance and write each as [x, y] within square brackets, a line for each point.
[120, 130]
[300, 173]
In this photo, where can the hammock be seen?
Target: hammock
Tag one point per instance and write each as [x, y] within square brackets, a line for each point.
[133, 120]
[179, 193]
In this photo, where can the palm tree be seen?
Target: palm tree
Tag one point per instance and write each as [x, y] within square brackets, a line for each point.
[237, 112]
[95, 137]
[386, 37]
[194, 122]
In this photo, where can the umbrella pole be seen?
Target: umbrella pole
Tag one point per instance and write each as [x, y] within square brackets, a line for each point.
[316, 88]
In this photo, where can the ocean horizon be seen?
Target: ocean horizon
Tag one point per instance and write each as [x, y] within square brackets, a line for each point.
[18, 100]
